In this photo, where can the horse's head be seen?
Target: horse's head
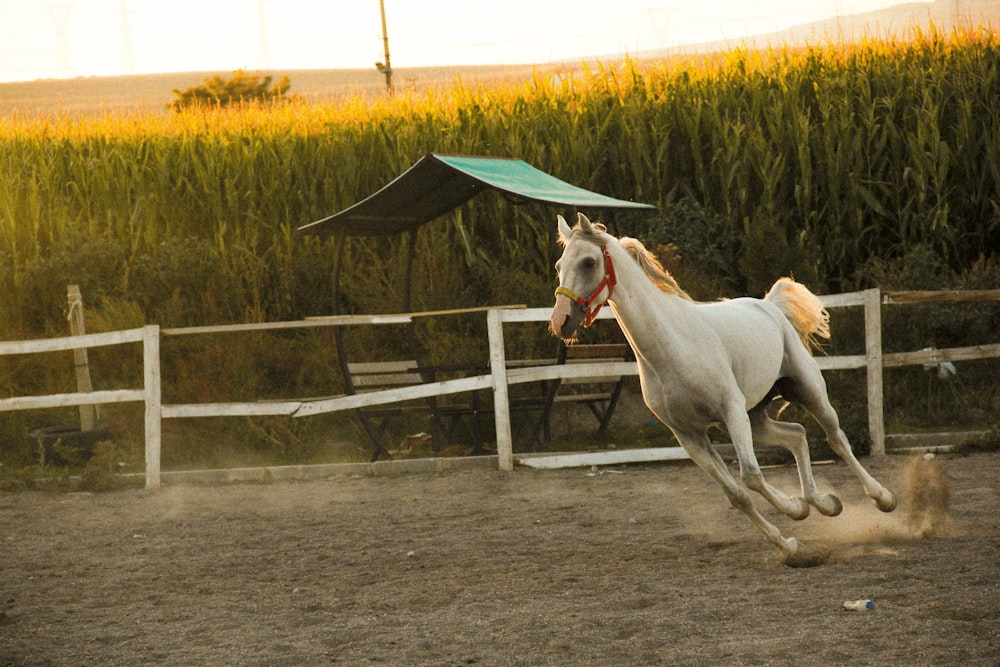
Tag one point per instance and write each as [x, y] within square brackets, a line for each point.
[586, 277]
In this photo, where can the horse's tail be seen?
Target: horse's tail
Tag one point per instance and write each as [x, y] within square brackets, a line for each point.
[802, 308]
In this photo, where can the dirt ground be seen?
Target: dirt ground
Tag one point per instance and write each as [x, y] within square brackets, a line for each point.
[638, 565]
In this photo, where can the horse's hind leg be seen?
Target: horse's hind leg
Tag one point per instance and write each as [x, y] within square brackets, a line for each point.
[700, 450]
[792, 437]
[884, 499]
[809, 390]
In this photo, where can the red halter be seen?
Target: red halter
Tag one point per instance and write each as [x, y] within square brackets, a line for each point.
[609, 281]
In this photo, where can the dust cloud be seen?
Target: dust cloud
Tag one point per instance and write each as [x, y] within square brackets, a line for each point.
[922, 488]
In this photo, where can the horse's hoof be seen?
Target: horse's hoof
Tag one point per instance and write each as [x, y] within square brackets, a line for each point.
[828, 504]
[800, 510]
[800, 555]
[789, 547]
[885, 501]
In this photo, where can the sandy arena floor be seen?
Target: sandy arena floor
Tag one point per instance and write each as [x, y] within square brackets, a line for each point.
[639, 565]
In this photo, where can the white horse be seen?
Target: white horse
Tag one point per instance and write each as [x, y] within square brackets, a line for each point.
[707, 363]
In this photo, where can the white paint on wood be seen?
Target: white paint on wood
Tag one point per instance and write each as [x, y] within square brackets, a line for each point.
[309, 322]
[615, 457]
[501, 399]
[843, 362]
[542, 315]
[153, 417]
[873, 361]
[842, 300]
[252, 409]
[397, 395]
[73, 399]
[953, 296]
[607, 369]
[70, 342]
[935, 356]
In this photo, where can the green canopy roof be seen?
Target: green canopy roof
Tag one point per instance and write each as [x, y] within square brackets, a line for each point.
[436, 184]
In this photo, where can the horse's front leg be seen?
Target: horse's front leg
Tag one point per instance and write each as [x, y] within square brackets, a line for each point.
[698, 447]
[738, 424]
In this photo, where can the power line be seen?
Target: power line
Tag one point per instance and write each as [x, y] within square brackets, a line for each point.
[127, 51]
[265, 56]
[60, 18]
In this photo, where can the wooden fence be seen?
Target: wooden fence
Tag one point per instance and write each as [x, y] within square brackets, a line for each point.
[499, 379]
[149, 336]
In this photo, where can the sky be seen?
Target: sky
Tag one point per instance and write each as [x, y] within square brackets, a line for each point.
[42, 39]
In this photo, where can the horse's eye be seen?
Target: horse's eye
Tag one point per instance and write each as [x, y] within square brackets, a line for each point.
[589, 263]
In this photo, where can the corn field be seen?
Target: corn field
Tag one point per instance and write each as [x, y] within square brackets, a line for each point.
[828, 157]
[824, 162]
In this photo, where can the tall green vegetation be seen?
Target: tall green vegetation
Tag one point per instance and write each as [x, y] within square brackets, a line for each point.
[814, 161]
[825, 162]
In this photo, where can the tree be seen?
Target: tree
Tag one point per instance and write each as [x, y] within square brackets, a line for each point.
[242, 87]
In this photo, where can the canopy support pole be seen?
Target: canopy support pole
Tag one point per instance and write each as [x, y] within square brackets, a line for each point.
[339, 246]
[411, 251]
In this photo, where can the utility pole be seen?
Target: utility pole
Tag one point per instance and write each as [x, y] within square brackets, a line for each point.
[386, 66]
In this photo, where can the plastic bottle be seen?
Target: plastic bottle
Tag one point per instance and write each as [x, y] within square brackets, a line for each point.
[859, 605]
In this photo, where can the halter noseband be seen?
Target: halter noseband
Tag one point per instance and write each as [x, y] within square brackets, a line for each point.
[609, 281]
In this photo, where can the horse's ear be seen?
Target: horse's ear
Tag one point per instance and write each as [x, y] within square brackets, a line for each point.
[584, 222]
[564, 231]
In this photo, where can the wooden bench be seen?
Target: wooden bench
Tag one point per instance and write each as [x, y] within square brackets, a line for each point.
[445, 417]
[599, 393]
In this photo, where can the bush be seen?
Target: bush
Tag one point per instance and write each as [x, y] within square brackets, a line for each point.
[180, 281]
[243, 87]
[96, 264]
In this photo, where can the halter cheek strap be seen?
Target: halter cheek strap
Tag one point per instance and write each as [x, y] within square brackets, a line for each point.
[608, 281]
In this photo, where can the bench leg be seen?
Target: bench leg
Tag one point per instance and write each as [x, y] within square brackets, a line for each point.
[609, 411]
[447, 426]
[376, 435]
[541, 431]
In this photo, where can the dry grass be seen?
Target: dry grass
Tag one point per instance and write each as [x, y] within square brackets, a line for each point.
[150, 93]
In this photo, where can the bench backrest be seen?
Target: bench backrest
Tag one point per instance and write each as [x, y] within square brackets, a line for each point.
[375, 375]
[590, 354]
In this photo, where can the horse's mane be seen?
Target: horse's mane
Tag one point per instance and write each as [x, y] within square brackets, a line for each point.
[647, 260]
[598, 235]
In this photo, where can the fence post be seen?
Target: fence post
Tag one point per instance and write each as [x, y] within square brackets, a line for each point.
[501, 400]
[151, 385]
[873, 364]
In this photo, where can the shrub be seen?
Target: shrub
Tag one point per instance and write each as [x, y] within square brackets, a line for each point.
[242, 87]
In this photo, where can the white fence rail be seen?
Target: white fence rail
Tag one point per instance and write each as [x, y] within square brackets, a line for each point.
[149, 336]
[499, 379]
